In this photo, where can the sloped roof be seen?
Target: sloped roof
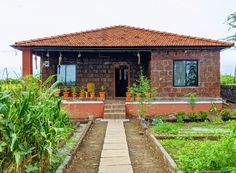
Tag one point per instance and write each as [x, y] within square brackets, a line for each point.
[122, 36]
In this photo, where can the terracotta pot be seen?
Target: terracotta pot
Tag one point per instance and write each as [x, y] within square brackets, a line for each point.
[138, 96]
[81, 94]
[102, 95]
[92, 95]
[128, 96]
[65, 94]
[148, 95]
[74, 94]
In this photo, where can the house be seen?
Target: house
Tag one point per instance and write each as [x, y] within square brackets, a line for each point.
[112, 56]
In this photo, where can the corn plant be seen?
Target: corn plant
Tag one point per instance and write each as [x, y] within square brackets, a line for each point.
[31, 126]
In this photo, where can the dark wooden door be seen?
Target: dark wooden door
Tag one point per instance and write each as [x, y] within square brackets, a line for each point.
[121, 80]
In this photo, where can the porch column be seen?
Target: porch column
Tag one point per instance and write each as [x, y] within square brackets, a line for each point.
[27, 66]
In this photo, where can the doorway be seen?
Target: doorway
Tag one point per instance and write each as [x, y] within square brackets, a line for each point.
[121, 80]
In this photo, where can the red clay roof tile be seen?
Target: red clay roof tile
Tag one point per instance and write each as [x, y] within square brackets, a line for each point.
[122, 36]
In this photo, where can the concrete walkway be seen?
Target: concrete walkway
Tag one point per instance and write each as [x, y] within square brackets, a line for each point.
[115, 155]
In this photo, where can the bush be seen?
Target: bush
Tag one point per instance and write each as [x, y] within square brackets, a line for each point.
[203, 115]
[225, 114]
[227, 80]
[180, 116]
[192, 116]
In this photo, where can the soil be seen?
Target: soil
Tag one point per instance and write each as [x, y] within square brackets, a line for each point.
[142, 155]
[88, 156]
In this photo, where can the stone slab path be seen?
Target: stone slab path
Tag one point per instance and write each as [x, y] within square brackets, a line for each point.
[115, 155]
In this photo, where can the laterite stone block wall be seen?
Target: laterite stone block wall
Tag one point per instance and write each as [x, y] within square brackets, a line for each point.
[161, 72]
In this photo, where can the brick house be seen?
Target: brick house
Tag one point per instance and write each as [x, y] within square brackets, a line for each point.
[112, 56]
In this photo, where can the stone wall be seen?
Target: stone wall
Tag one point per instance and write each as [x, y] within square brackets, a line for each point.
[228, 92]
[208, 72]
[98, 67]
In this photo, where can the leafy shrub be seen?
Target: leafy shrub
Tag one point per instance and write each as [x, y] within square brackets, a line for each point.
[225, 114]
[180, 116]
[203, 115]
[31, 126]
[192, 116]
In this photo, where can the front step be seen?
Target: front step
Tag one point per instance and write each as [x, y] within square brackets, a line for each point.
[114, 109]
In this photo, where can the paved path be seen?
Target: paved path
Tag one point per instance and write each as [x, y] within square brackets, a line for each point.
[115, 155]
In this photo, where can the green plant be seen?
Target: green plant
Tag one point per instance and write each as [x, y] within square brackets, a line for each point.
[180, 116]
[102, 88]
[93, 89]
[73, 88]
[203, 115]
[227, 80]
[213, 108]
[192, 116]
[192, 100]
[82, 89]
[65, 89]
[141, 110]
[225, 114]
[31, 126]
[166, 128]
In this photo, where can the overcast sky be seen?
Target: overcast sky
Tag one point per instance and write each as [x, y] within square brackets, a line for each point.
[27, 19]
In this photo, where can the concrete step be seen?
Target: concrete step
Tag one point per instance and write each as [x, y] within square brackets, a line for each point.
[114, 101]
[114, 116]
[115, 106]
[109, 110]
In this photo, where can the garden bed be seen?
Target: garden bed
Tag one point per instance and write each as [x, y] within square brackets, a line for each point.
[68, 151]
[195, 152]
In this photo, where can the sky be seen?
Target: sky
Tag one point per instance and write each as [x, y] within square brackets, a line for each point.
[27, 19]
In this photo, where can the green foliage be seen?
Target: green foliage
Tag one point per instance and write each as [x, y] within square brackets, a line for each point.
[180, 116]
[192, 100]
[213, 108]
[192, 116]
[31, 126]
[203, 115]
[225, 114]
[73, 88]
[142, 85]
[102, 88]
[227, 80]
[166, 128]
[196, 156]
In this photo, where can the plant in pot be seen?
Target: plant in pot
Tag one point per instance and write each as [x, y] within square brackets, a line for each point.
[82, 91]
[65, 92]
[74, 94]
[92, 93]
[128, 93]
[102, 92]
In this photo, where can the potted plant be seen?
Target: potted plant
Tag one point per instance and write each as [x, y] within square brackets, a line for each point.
[74, 94]
[92, 94]
[128, 93]
[82, 92]
[102, 92]
[65, 92]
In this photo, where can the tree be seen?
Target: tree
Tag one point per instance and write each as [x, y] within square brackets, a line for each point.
[231, 20]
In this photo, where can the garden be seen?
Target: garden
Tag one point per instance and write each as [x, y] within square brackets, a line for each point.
[35, 134]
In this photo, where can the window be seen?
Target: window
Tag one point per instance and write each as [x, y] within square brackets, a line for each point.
[66, 74]
[185, 73]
